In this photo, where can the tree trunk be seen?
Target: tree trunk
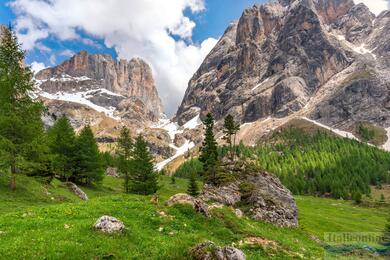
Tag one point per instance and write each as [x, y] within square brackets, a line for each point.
[12, 184]
[234, 145]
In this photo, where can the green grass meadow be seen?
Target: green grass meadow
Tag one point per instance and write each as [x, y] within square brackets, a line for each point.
[48, 222]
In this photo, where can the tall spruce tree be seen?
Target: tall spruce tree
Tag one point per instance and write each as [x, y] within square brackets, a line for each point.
[124, 151]
[143, 177]
[21, 128]
[89, 160]
[193, 188]
[230, 130]
[62, 143]
[209, 153]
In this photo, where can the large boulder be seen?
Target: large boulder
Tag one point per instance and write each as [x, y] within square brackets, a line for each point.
[77, 191]
[107, 224]
[182, 198]
[260, 192]
[209, 251]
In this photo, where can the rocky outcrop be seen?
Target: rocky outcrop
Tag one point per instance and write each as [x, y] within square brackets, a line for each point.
[261, 193]
[182, 198]
[107, 224]
[209, 251]
[77, 191]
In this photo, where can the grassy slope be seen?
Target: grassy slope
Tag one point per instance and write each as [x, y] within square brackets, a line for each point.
[33, 226]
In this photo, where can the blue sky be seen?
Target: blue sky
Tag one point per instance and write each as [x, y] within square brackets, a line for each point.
[173, 36]
[209, 23]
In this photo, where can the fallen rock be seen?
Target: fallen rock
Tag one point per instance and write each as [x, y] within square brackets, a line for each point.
[113, 172]
[109, 224]
[183, 198]
[76, 190]
[209, 251]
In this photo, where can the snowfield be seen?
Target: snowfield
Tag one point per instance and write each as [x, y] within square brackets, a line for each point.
[173, 128]
[82, 98]
[334, 130]
[179, 152]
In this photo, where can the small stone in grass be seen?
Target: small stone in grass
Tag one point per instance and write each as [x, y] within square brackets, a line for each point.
[108, 224]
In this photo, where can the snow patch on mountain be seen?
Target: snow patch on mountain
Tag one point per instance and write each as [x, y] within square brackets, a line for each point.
[358, 49]
[82, 98]
[66, 77]
[386, 146]
[334, 130]
[193, 123]
[260, 84]
[179, 152]
[173, 129]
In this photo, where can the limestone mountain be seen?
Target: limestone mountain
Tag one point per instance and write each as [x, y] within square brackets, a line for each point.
[325, 60]
[123, 90]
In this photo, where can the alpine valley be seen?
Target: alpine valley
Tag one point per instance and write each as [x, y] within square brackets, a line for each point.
[279, 149]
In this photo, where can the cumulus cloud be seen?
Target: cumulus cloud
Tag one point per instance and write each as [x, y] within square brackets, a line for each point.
[37, 66]
[376, 6]
[157, 31]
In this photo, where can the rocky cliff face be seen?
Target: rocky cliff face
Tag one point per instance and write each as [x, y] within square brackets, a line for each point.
[120, 89]
[94, 89]
[323, 59]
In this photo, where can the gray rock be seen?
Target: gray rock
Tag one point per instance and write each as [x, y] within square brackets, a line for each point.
[107, 224]
[182, 198]
[267, 199]
[209, 251]
[77, 191]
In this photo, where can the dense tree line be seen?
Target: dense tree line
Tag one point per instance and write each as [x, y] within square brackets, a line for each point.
[313, 164]
[75, 158]
[322, 164]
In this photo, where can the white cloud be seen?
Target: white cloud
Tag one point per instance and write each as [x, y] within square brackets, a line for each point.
[67, 53]
[376, 6]
[141, 28]
[37, 66]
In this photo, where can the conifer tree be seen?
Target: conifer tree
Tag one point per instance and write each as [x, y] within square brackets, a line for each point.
[230, 130]
[193, 188]
[209, 153]
[21, 128]
[89, 161]
[124, 151]
[143, 177]
[62, 144]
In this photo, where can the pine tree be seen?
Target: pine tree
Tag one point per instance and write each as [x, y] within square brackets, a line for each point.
[89, 161]
[230, 130]
[21, 127]
[209, 153]
[143, 177]
[192, 189]
[62, 144]
[124, 151]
